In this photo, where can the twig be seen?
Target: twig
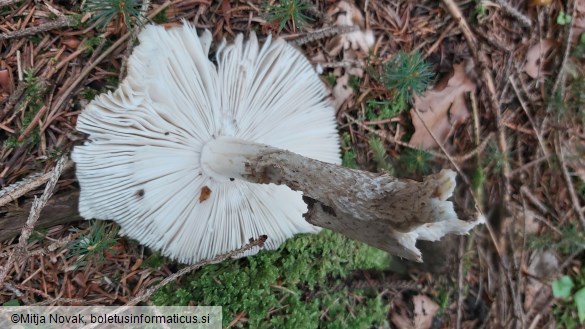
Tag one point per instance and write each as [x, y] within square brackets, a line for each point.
[524, 107]
[13, 99]
[38, 205]
[439, 40]
[56, 24]
[534, 200]
[389, 138]
[528, 165]
[561, 76]
[522, 19]
[460, 283]
[8, 2]
[444, 150]
[574, 199]
[323, 33]
[20, 188]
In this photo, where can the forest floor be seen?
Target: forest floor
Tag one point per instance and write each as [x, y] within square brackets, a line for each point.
[498, 84]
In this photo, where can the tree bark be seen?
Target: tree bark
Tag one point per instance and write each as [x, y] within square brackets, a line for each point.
[60, 209]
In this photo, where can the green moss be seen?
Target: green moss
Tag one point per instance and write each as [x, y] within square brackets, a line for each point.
[161, 17]
[34, 98]
[348, 158]
[288, 288]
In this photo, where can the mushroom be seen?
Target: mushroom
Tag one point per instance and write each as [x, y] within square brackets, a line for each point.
[142, 165]
[194, 158]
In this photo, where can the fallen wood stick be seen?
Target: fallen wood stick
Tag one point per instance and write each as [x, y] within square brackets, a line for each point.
[60, 209]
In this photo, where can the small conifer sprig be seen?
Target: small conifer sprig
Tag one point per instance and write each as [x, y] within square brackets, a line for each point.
[407, 74]
[379, 154]
[416, 161]
[104, 11]
[288, 11]
[101, 237]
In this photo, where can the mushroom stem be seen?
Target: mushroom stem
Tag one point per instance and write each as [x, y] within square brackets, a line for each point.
[378, 209]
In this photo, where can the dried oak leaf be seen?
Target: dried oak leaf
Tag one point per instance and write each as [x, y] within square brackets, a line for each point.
[543, 264]
[441, 109]
[342, 92]
[533, 55]
[345, 15]
[579, 24]
[424, 311]
[574, 149]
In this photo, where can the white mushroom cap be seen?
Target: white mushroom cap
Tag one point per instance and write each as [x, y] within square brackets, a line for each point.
[141, 163]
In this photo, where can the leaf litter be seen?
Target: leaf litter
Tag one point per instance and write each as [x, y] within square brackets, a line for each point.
[425, 25]
[441, 109]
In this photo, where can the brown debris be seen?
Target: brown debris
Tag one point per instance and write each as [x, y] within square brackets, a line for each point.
[533, 56]
[441, 109]
[205, 194]
[502, 276]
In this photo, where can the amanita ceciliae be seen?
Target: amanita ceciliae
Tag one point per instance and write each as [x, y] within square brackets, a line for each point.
[176, 153]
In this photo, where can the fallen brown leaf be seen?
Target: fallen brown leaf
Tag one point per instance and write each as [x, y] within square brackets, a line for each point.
[574, 150]
[579, 24]
[441, 109]
[399, 315]
[424, 311]
[347, 14]
[342, 92]
[533, 55]
[543, 265]
[71, 43]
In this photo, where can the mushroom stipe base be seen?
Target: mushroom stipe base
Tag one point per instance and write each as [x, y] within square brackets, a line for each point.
[380, 210]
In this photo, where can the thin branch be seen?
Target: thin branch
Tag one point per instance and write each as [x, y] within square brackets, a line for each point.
[20, 188]
[574, 199]
[567, 52]
[9, 2]
[520, 17]
[525, 108]
[445, 153]
[56, 24]
[323, 33]
[389, 138]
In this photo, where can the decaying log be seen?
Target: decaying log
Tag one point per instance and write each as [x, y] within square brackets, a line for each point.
[60, 209]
